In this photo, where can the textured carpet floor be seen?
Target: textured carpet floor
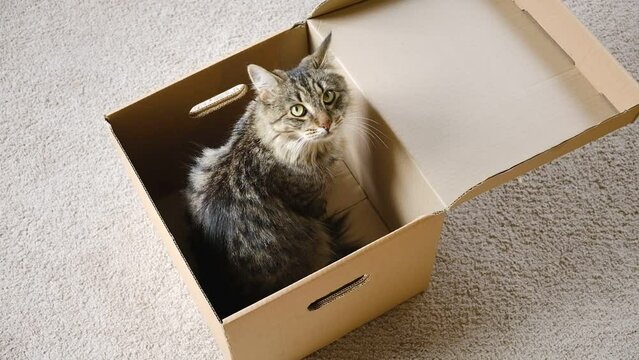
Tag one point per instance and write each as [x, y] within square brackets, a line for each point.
[543, 267]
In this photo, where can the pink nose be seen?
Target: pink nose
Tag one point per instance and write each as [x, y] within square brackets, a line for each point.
[326, 125]
[324, 121]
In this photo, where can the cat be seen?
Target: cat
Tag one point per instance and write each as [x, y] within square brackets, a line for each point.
[258, 202]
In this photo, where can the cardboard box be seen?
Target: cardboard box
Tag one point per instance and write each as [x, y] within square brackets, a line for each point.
[468, 94]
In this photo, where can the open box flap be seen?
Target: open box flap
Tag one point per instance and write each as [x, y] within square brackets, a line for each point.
[472, 88]
[328, 6]
[590, 57]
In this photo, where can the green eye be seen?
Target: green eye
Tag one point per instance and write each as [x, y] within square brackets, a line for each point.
[328, 97]
[298, 110]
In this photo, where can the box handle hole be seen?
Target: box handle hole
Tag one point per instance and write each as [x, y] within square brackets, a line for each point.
[218, 101]
[338, 293]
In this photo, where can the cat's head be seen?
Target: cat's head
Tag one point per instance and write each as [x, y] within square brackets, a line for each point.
[305, 107]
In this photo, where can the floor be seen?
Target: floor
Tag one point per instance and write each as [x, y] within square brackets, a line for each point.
[543, 267]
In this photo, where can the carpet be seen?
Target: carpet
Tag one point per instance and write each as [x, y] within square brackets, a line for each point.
[543, 267]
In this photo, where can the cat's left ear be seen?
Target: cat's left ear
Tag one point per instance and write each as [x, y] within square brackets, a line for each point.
[318, 59]
[264, 81]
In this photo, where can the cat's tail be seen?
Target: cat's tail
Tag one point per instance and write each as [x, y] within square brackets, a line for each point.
[208, 263]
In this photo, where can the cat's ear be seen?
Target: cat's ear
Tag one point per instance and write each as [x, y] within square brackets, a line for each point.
[264, 81]
[318, 59]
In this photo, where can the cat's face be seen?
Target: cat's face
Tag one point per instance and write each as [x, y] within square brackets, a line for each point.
[306, 105]
[310, 104]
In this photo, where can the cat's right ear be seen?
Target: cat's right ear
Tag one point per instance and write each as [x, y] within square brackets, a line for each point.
[318, 59]
[264, 81]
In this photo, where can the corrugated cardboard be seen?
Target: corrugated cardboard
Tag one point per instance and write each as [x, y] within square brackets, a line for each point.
[475, 95]
[466, 95]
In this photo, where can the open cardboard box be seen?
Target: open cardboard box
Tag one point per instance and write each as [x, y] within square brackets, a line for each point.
[468, 94]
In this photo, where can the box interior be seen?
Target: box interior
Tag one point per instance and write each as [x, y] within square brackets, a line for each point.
[346, 196]
[163, 139]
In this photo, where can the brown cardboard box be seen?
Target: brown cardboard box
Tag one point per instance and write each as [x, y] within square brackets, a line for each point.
[468, 95]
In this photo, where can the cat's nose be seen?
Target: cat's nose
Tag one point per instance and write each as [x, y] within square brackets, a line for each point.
[325, 121]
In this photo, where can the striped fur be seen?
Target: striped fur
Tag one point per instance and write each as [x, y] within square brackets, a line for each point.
[257, 203]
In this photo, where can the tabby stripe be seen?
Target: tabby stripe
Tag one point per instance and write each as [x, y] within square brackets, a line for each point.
[278, 119]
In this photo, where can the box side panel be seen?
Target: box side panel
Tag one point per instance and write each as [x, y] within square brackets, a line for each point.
[389, 175]
[393, 269]
[553, 153]
[159, 136]
[381, 164]
[590, 57]
[178, 260]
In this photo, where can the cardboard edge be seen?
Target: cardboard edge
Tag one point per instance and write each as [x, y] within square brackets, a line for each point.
[240, 326]
[328, 6]
[607, 126]
[200, 69]
[179, 262]
[592, 59]
[359, 252]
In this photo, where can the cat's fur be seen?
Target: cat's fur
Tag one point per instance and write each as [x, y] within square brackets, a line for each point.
[258, 202]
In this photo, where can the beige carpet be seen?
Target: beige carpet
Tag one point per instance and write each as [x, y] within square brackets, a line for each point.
[544, 267]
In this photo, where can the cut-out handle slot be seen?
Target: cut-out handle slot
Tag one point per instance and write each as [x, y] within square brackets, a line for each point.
[216, 102]
[338, 293]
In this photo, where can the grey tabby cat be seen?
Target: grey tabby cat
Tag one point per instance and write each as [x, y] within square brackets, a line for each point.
[259, 200]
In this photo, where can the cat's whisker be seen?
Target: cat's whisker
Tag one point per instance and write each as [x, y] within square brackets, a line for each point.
[372, 125]
[358, 130]
[369, 132]
[364, 138]
[378, 131]
[372, 128]
[369, 126]
[365, 118]
[380, 139]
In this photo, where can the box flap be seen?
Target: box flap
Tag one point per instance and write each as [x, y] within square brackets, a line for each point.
[471, 88]
[328, 6]
[589, 56]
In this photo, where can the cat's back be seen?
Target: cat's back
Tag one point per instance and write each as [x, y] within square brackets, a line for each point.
[229, 175]
[207, 177]
[209, 162]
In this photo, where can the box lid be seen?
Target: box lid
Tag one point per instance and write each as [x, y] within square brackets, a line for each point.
[474, 88]
[327, 6]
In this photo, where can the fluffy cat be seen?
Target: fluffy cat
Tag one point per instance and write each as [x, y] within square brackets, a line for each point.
[258, 202]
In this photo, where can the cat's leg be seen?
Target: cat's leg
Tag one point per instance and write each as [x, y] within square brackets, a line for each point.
[323, 249]
[317, 208]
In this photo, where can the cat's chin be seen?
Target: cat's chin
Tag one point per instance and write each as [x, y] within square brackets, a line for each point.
[320, 139]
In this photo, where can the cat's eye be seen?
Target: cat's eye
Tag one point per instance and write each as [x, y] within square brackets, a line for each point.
[298, 110]
[328, 97]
